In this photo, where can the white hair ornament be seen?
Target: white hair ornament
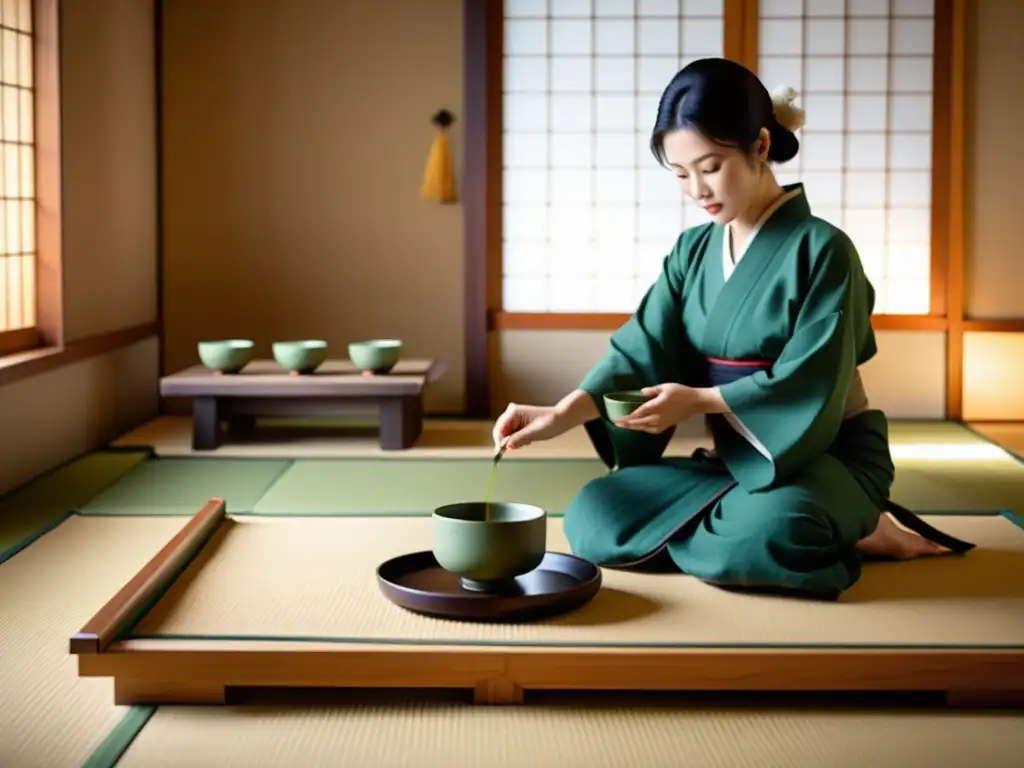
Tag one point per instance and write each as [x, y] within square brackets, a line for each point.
[787, 114]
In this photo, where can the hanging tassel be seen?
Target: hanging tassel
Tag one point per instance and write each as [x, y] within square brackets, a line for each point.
[439, 179]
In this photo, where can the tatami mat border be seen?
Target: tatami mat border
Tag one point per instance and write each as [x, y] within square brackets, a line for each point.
[506, 643]
[1013, 518]
[121, 736]
[33, 537]
[149, 450]
[57, 520]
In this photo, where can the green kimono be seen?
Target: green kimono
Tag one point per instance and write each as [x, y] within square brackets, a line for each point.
[783, 506]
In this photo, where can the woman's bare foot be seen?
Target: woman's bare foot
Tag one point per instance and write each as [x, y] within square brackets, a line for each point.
[892, 542]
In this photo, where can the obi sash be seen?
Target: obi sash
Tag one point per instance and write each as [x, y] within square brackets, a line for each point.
[719, 372]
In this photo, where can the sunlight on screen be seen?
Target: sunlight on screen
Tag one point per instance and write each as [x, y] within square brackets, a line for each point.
[17, 168]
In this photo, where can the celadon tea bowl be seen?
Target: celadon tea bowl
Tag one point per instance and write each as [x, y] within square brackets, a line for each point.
[300, 357]
[375, 355]
[226, 355]
[487, 554]
[619, 404]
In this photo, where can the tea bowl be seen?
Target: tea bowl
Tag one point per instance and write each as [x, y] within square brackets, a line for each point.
[226, 355]
[619, 404]
[375, 355]
[487, 554]
[300, 357]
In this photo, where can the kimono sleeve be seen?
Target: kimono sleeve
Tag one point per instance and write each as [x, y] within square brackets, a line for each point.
[648, 349]
[795, 409]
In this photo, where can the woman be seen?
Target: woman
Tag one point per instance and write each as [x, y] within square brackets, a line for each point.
[758, 321]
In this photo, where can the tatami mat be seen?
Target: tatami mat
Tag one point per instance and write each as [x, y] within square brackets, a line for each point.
[359, 486]
[314, 578]
[441, 438]
[464, 438]
[181, 486]
[48, 715]
[985, 483]
[946, 433]
[45, 500]
[51, 717]
[573, 734]
[363, 486]
[941, 467]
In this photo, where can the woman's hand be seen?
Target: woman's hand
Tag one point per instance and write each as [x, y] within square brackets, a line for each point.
[672, 404]
[521, 425]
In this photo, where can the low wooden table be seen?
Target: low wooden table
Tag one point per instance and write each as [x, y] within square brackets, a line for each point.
[263, 388]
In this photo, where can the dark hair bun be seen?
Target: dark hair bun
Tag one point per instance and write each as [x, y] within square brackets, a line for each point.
[727, 102]
[784, 144]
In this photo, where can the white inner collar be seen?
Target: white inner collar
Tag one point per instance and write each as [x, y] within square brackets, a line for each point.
[730, 260]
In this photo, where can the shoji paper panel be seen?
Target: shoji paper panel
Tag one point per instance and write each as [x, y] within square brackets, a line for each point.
[17, 168]
[588, 213]
[864, 72]
[993, 370]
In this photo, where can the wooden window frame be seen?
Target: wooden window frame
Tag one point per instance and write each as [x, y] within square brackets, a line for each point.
[483, 24]
[48, 329]
[35, 351]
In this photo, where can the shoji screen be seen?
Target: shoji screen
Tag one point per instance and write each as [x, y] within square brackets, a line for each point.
[17, 169]
[588, 214]
[864, 71]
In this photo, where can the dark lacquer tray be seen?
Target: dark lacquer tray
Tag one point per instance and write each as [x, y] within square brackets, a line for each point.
[561, 583]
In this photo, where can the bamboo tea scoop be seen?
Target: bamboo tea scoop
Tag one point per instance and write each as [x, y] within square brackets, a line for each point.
[500, 452]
